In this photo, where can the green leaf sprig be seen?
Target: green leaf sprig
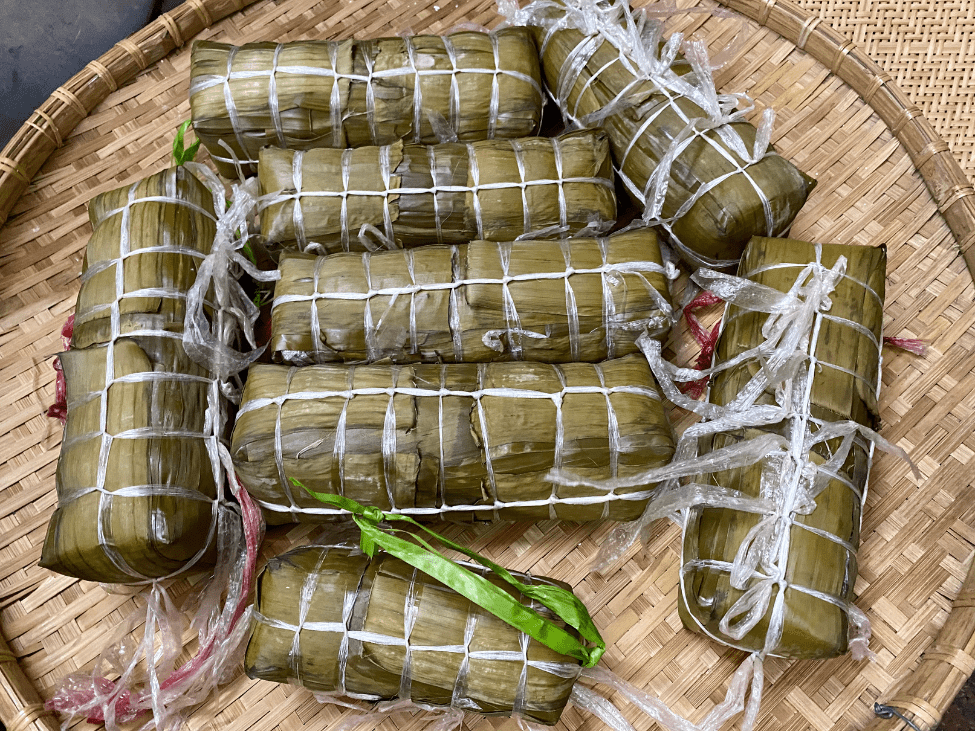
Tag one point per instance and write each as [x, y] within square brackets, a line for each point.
[421, 555]
[182, 154]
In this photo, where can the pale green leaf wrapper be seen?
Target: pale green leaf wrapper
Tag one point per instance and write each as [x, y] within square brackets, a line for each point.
[411, 195]
[579, 299]
[455, 442]
[338, 591]
[813, 628]
[350, 93]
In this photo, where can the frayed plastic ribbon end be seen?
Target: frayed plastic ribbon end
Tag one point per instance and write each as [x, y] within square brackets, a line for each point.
[911, 345]
[101, 700]
[81, 694]
[208, 344]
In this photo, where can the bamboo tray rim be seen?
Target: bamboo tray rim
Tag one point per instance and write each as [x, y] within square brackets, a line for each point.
[46, 129]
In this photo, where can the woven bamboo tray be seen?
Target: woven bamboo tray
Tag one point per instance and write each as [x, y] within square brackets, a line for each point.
[886, 176]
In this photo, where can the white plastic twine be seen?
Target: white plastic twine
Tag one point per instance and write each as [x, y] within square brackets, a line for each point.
[351, 638]
[211, 345]
[221, 617]
[638, 37]
[613, 287]
[747, 681]
[790, 484]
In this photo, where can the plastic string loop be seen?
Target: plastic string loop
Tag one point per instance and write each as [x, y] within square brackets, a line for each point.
[911, 345]
[476, 588]
[638, 39]
[221, 623]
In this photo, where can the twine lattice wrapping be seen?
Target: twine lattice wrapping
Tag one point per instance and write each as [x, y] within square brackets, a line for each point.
[143, 466]
[561, 301]
[769, 487]
[807, 495]
[137, 497]
[458, 441]
[685, 153]
[324, 200]
[423, 89]
[377, 633]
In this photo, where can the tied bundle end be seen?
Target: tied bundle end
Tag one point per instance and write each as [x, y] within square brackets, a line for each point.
[224, 629]
[210, 344]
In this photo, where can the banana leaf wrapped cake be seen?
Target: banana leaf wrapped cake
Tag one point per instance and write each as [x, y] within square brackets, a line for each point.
[453, 441]
[769, 486]
[349, 93]
[551, 301]
[780, 580]
[146, 244]
[136, 487]
[685, 154]
[325, 200]
[771, 521]
[354, 629]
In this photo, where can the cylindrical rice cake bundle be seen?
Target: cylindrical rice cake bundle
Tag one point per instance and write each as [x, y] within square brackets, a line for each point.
[452, 193]
[456, 442]
[357, 629]
[805, 543]
[135, 483]
[550, 301]
[306, 94]
[158, 230]
[134, 479]
[731, 198]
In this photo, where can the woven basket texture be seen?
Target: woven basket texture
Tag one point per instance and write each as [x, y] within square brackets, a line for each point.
[918, 535]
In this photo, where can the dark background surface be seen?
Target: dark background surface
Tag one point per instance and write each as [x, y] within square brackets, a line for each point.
[44, 42]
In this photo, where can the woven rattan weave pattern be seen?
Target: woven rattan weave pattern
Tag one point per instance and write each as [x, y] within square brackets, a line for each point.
[918, 537]
[921, 45]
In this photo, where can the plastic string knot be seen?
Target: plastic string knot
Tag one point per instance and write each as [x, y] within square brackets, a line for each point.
[207, 343]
